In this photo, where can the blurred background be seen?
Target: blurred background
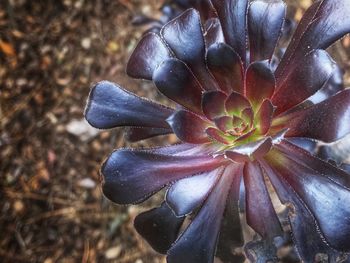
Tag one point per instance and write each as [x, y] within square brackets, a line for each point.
[51, 52]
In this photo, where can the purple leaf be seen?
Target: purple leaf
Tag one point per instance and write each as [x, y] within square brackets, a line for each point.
[327, 121]
[214, 32]
[189, 127]
[159, 226]
[300, 155]
[236, 103]
[250, 151]
[231, 235]
[261, 215]
[176, 81]
[131, 176]
[189, 193]
[147, 56]
[232, 14]
[308, 76]
[324, 22]
[213, 104]
[263, 118]
[306, 235]
[218, 136]
[198, 242]
[135, 134]
[224, 123]
[325, 198]
[260, 83]
[265, 20]
[185, 37]
[111, 106]
[226, 66]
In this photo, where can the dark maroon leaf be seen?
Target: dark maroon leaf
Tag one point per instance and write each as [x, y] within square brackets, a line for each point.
[224, 123]
[300, 155]
[198, 242]
[334, 84]
[189, 127]
[261, 215]
[189, 193]
[327, 121]
[231, 235]
[214, 32]
[236, 103]
[213, 104]
[205, 8]
[263, 118]
[308, 76]
[226, 67]
[304, 143]
[232, 14]
[325, 22]
[325, 198]
[185, 37]
[218, 136]
[265, 20]
[159, 226]
[131, 176]
[260, 82]
[135, 134]
[306, 235]
[111, 106]
[147, 56]
[176, 81]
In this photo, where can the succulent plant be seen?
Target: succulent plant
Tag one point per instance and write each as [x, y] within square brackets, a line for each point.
[241, 122]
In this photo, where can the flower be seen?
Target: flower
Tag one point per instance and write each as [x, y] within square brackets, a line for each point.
[240, 118]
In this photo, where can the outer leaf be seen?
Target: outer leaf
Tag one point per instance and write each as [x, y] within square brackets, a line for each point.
[232, 14]
[159, 227]
[265, 20]
[175, 80]
[226, 66]
[205, 7]
[198, 242]
[131, 176]
[231, 235]
[333, 86]
[261, 215]
[189, 127]
[297, 154]
[324, 22]
[147, 56]
[185, 37]
[307, 239]
[308, 76]
[214, 32]
[111, 106]
[135, 134]
[325, 198]
[327, 121]
[189, 193]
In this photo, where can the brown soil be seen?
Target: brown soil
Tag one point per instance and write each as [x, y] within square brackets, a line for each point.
[52, 208]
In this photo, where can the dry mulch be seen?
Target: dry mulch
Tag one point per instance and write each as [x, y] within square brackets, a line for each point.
[51, 52]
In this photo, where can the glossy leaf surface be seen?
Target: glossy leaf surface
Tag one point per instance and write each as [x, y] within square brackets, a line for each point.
[111, 106]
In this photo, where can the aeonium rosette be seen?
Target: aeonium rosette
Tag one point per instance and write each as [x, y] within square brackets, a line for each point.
[237, 118]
